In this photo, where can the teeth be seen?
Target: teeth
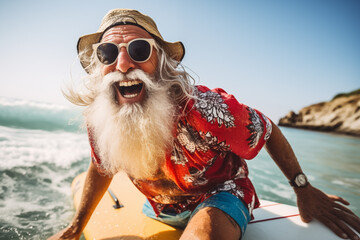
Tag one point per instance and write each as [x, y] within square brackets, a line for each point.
[129, 83]
[130, 95]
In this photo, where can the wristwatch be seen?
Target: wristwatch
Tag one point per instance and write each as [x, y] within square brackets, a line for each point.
[299, 181]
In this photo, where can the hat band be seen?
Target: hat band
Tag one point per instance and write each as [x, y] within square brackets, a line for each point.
[123, 23]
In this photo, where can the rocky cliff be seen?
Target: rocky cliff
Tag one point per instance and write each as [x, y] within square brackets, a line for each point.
[341, 115]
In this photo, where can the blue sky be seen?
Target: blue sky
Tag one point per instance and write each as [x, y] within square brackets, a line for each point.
[275, 56]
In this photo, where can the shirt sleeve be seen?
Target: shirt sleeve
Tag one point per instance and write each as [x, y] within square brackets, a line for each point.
[244, 129]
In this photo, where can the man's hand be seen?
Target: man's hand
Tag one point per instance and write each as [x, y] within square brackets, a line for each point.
[69, 233]
[313, 203]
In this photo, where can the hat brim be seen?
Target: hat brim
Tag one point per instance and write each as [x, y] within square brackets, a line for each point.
[175, 50]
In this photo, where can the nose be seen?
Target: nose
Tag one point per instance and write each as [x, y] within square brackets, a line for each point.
[124, 63]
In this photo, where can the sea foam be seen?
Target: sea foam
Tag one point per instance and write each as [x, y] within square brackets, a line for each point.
[29, 147]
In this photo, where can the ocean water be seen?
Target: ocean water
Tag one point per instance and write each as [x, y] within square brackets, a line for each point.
[42, 148]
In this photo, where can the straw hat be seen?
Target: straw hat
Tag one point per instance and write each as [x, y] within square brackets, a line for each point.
[115, 17]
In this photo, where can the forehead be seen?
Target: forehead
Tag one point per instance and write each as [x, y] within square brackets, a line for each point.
[124, 33]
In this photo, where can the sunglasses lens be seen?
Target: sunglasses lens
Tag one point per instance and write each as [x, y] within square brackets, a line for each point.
[139, 50]
[107, 53]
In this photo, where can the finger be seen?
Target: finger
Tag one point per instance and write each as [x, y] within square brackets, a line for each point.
[333, 227]
[350, 219]
[343, 208]
[344, 221]
[338, 199]
[345, 228]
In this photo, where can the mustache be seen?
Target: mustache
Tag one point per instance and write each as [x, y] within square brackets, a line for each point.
[137, 74]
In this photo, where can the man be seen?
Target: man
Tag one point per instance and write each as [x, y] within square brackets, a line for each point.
[183, 146]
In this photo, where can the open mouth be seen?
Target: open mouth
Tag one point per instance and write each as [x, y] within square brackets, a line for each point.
[129, 89]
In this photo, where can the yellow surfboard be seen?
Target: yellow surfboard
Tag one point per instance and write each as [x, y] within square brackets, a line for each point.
[127, 222]
[273, 221]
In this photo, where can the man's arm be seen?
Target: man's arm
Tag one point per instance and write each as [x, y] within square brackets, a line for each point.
[94, 188]
[312, 203]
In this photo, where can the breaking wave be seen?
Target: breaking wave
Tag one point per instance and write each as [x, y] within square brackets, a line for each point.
[16, 113]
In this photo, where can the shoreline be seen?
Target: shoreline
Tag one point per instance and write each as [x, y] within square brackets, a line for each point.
[318, 129]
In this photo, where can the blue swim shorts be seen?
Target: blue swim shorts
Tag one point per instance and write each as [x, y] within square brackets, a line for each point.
[224, 201]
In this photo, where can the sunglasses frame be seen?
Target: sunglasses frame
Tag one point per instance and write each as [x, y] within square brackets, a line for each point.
[126, 45]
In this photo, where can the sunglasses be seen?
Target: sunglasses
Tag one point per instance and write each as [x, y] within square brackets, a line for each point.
[139, 50]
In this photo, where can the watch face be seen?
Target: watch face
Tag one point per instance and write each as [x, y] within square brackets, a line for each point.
[301, 180]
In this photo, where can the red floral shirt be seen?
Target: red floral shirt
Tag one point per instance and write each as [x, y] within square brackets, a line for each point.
[214, 136]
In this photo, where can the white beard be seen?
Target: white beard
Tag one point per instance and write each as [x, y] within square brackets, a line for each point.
[133, 137]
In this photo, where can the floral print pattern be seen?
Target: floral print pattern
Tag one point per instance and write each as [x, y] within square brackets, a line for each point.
[251, 205]
[193, 141]
[268, 127]
[256, 127]
[197, 177]
[242, 171]
[231, 187]
[212, 106]
[177, 156]
[214, 142]
[188, 137]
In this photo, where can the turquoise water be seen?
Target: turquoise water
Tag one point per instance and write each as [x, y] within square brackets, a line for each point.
[42, 150]
[331, 162]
